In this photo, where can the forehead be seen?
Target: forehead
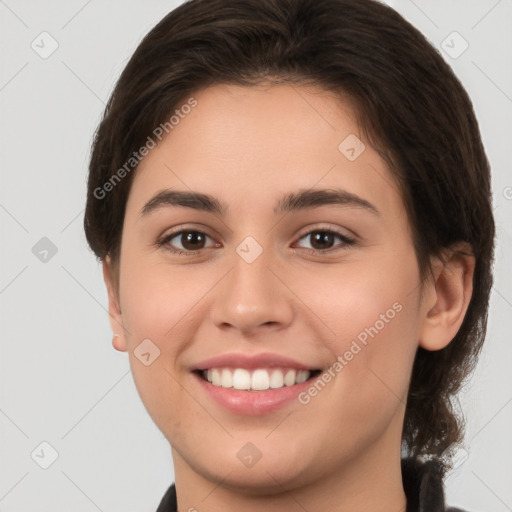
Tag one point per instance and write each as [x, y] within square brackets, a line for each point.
[250, 144]
[241, 119]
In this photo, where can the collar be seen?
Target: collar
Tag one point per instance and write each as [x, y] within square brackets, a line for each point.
[422, 481]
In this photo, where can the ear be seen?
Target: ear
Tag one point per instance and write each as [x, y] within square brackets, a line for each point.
[114, 309]
[447, 297]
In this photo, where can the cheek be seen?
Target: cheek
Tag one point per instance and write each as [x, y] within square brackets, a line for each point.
[369, 320]
[150, 308]
[165, 305]
[366, 299]
[157, 300]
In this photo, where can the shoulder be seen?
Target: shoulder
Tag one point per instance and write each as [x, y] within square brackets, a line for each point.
[424, 486]
[169, 503]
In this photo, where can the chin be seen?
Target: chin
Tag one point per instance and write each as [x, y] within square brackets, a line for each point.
[268, 476]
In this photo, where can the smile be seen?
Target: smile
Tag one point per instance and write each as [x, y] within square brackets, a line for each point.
[259, 379]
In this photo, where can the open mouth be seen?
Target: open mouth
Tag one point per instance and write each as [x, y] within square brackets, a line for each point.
[259, 379]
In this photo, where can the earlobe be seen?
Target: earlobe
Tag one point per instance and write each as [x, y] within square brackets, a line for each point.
[449, 294]
[114, 309]
[118, 343]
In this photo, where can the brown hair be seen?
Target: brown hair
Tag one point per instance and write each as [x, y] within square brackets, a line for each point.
[410, 104]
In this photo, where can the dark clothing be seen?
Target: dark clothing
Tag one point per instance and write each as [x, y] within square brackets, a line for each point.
[423, 488]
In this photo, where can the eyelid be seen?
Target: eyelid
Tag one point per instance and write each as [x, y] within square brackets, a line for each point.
[187, 229]
[338, 230]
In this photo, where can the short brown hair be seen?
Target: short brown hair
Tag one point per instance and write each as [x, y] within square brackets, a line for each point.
[410, 105]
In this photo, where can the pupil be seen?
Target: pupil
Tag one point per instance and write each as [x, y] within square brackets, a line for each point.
[323, 238]
[191, 238]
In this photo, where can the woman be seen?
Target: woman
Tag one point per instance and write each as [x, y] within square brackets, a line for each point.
[291, 203]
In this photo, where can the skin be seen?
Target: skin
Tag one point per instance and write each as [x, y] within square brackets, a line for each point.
[249, 146]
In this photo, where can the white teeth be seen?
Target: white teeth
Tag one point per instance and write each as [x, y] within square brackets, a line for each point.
[289, 378]
[216, 378]
[241, 379]
[277, 379]
[260, 379]
[226, 379]
[302, 376]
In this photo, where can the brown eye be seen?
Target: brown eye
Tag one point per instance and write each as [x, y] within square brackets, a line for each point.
[185, 241]
[192, 240]
[322, 240]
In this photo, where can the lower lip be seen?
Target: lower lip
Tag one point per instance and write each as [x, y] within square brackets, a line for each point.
[252, 403]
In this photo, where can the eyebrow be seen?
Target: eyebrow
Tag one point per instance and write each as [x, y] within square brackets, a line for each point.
[300, 200]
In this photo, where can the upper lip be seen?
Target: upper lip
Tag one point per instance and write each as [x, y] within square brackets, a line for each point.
[251, 362]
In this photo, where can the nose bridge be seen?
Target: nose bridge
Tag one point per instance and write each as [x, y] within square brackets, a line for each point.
[251, 295]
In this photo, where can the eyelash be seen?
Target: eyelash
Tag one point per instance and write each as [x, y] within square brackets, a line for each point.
[164, 242]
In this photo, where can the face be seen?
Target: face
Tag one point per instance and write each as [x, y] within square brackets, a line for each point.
[309, 298]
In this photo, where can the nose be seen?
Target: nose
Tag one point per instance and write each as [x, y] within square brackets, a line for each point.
[253, 297]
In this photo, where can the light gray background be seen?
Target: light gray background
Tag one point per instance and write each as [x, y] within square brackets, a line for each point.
[60, 379]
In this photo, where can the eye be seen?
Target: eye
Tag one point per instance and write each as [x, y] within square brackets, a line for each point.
[190, 240]
[323, 239]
